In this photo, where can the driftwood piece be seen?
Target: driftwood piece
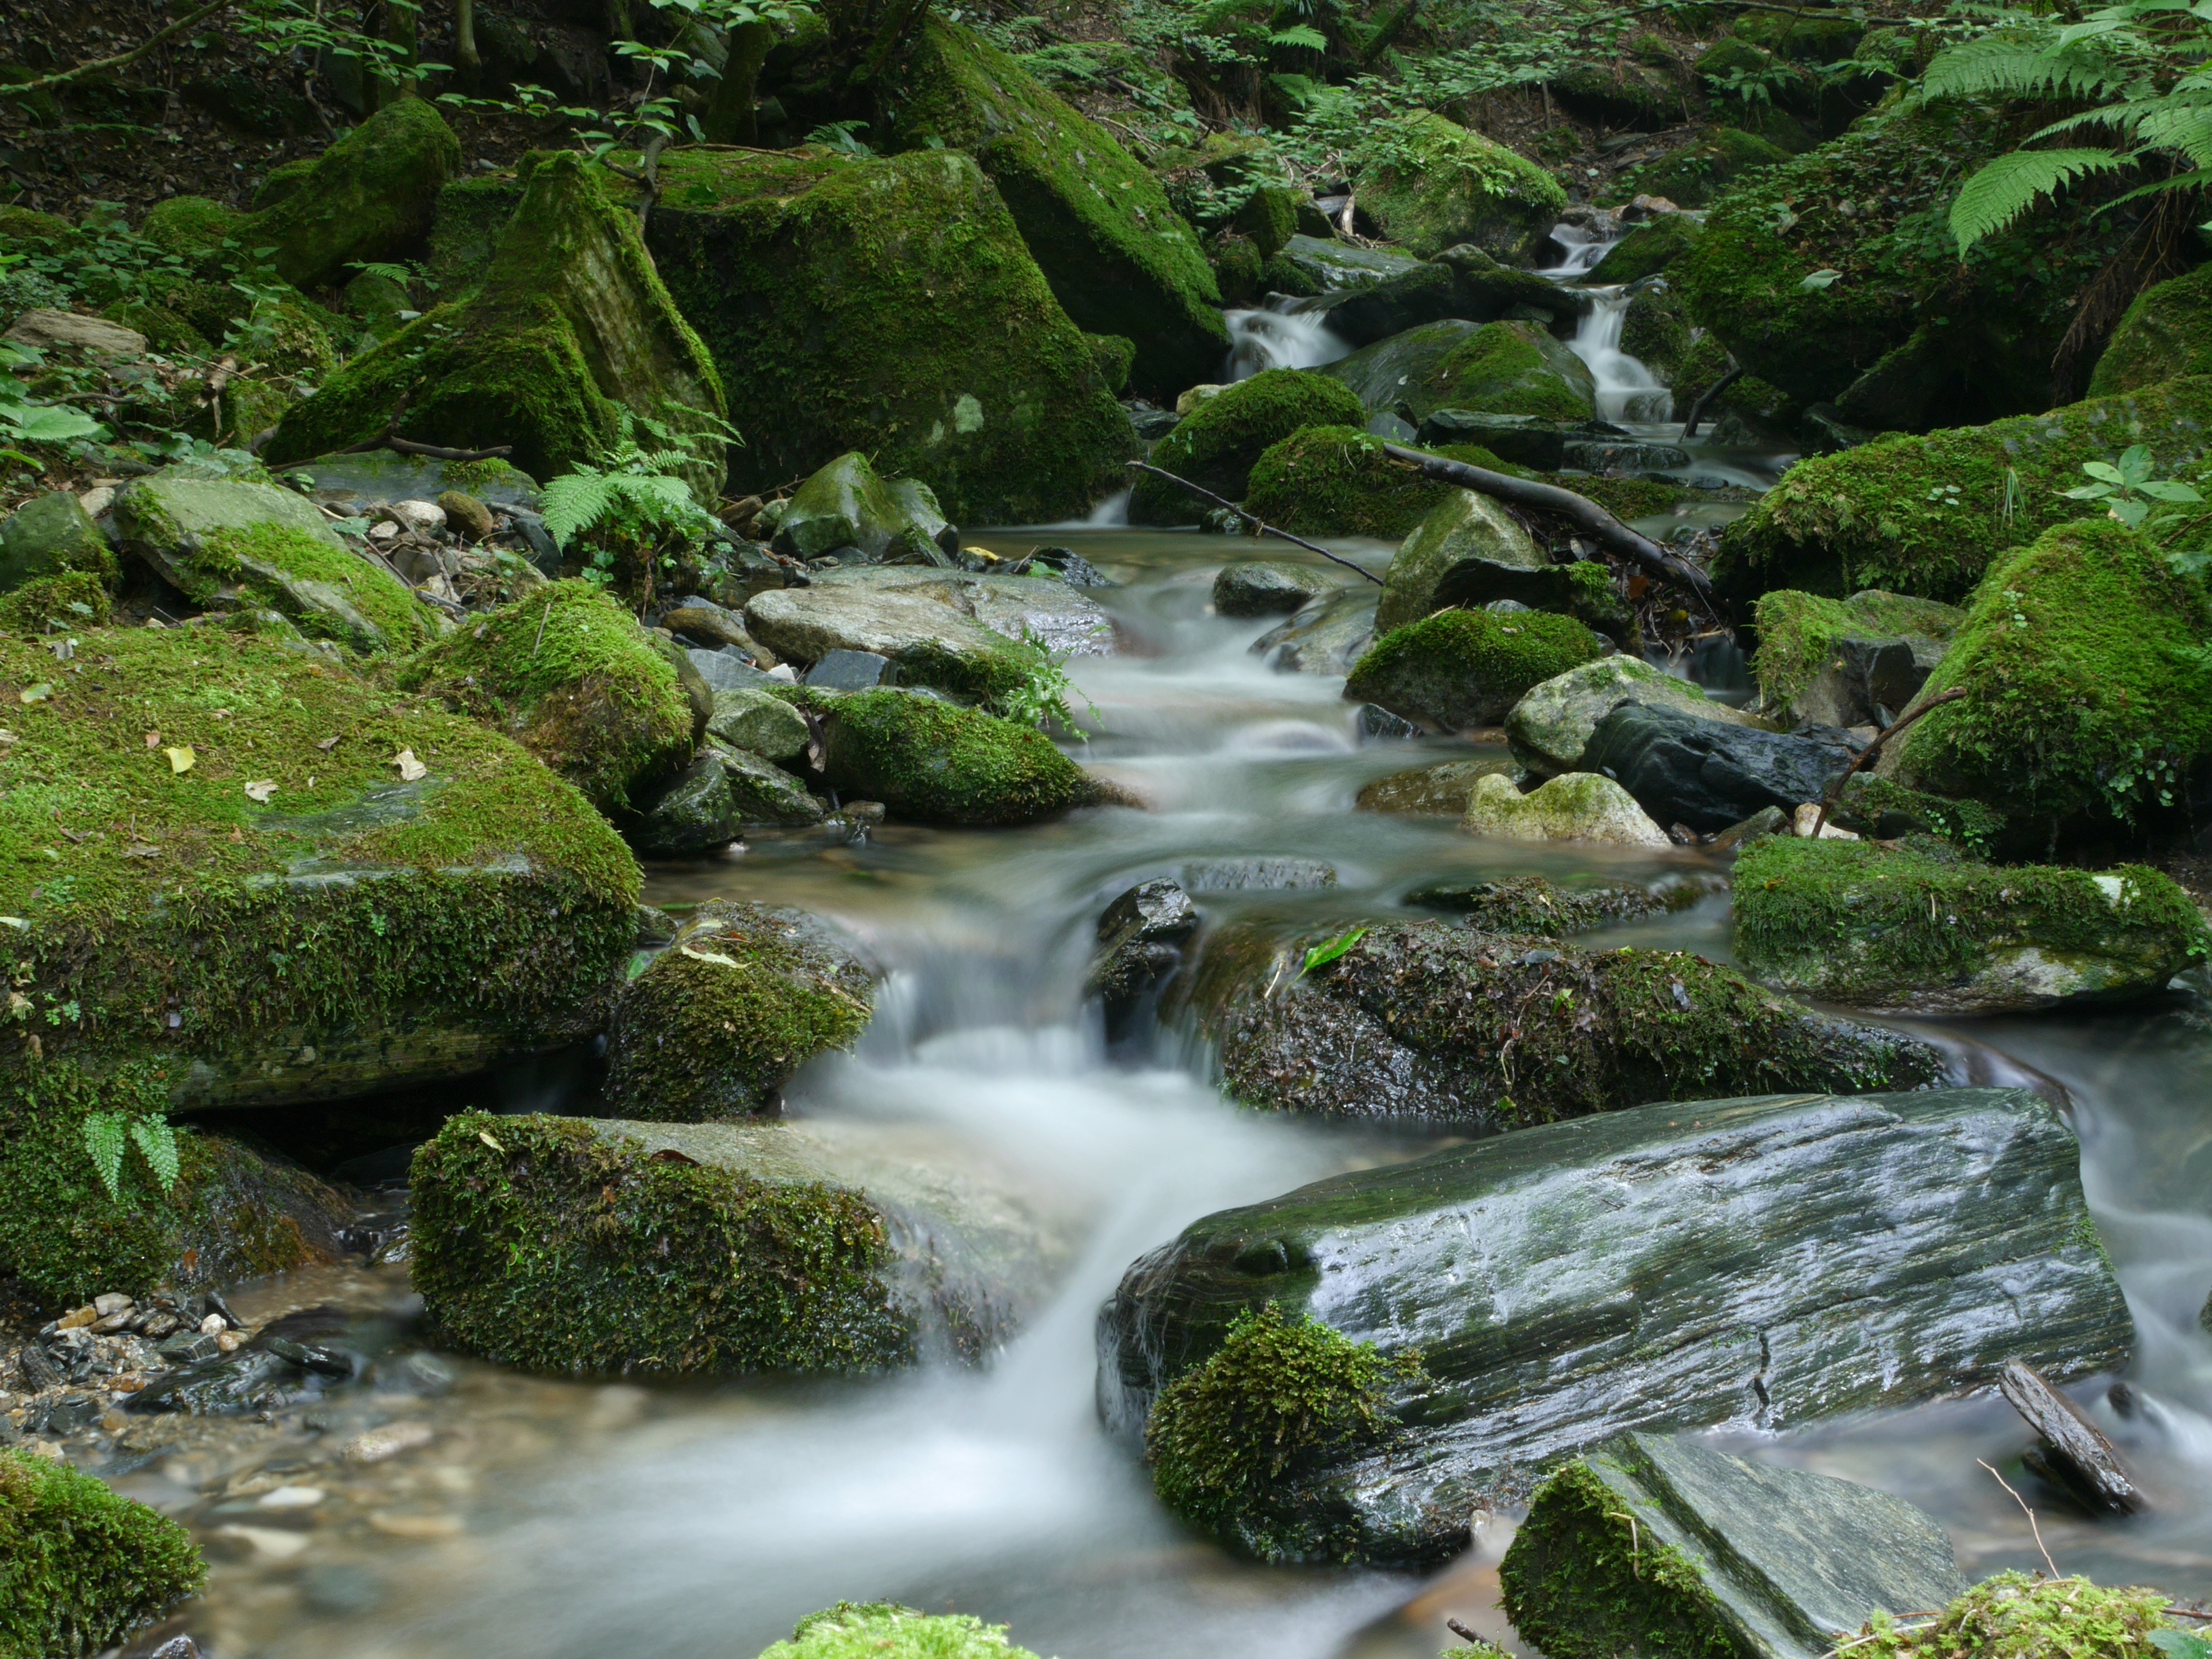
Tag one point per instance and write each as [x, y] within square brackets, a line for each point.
[2074, 1453]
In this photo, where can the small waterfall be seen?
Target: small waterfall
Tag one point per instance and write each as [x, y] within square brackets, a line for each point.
[1584, 248]
[1278, 339]
[1626, 391]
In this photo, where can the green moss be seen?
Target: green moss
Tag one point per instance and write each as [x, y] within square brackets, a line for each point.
[547, 1243]
[2013, 1616]
[2167, 331]
[1336, 481]
[465, 228]
[2086, 698]
[270, 563]
[936, 762]
[1431, 184]
[82, 1567]
[881, 1630]
[1539, 907]
[1216, 445]
[1700, 172]
[1884, 808]
[571, 676]
[1582, 1575]
[1927, 515]
[283, 182]
[1120, 260]
[191, 226]
[1857, 923]
[1510, 369]
[1116, 354]
[368, 197]
[1279, 1394]
[1796, 631]
[1238, 267]
[887, 306]
[1460, 669]
[74, 599]
[1649, 248]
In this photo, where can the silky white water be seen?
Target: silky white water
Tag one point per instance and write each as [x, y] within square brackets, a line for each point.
[1626, 390]
[1279, 339]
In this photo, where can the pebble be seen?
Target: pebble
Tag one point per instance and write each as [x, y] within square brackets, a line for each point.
[421, 517]
[76, 1318]
[112, 1304]
[268, 1543]
[213, 1325]
[290, 1498]
[418, 1526]
[374, 1445]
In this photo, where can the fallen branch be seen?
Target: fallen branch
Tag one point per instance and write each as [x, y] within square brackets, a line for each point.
[1836, 789]
[1578, 510]
[408, 446]
[63, 78]
[1259, 526]
[1698, 409]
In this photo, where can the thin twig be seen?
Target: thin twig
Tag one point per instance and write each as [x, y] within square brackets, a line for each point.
[2031, 1527]
[542, 621]
[1835, 792]
[1463, 1632]
[24, 88]
[1259, 526]
[437, 452]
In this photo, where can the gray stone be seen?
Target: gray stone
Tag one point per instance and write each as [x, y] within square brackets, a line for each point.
[764, 793]
[1462, 284]
[846, 504]
[1550, 727]
[351, 483]
[1524, 440]
[758, 721]
[1261, 875]
[1335, 264]
[726, 669]
[1326, 637]
[189, 1348]
[850, 670]
[1867, 681]
[1786, 1564]
[1464, 529]
[1764, 1262]
[1439, 791]
[44, 331]
[693, 814]
[702, 623]
[1141, 938]
[1685, 769]
[1573, 806]
[1267, 587]
[48, 534]
[1388, 372]
[1621, 458]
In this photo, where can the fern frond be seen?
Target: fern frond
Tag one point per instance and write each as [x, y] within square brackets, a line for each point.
[157, 1142]
[107, 1138]
[574, 502]
[2008, 186]
[2122, 117]
[2183, 127]
[2179, 181]
[2019, 65]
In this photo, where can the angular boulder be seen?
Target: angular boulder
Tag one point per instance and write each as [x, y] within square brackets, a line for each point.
[1550, 726]
[2167, 331]
[1764, 1262]
[825, 1246]
[1573, 806]
[758, 722]
[81, 1566]
[1685, 769]
[1267, 587]
[1463, 669]
[1431, 184]
[1844, 662]
[846, 505]
[369, 196]
[1463, 529]
[1215, 445]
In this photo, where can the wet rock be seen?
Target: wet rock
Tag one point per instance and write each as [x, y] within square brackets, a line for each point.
[1535, 906]
[1215, 445]
[931, 761]
[759, 723]
[1507, 368]
[1386, 374]
[1648, 248]
[1331, 264]
[703, 624]
[1326, 637]
[1141, 938]
[1685, 769]
[1550, 726]
[812, 1246]
[1573, 806]
[1649, 1535]
[48, 535]
[1927, 929]
[692, 814]
[2074, 1453]
[896, 1632]
[1065, 563]
[1462, 284]
[1437, 185]
[354, 482]
[726, 669]
[846, 504]
[1465, 530]
[1848, 662]
[1532, 440]
[1758, 1261]
[86, 1565]
[1439, 791]
[1261, 875]
[1267, 587]
[1463, 669]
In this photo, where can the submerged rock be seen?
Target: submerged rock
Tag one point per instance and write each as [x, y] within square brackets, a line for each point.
[1925, 929]
[1550, 726]
[1462, 669]
[1766, 1261]
[1573, 806]
[1438, 791]
[1428, 1022]
[1685, 769]
[1650, 1535]
[86, 1565]
[823, 1246]
[1537, 906]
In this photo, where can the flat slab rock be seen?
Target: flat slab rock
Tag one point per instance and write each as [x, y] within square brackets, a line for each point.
[908, 613]
[1763, 1263]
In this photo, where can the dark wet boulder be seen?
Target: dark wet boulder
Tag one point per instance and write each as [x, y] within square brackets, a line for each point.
[1630, 1546]
[1707, 774]
[1462, 669]
[1693, 175]
[794, 1248]
[1761, 1262]
[1647, 249]
[1505, 367]
[848, 507]
[1326, 637]
[1141, 939]
[369, 196]
[1462, 284]
[83, 1566]
[1267, 587]
[49, 534]
[1428, 1022]
[1550, 727]
[1431, 184]
[1215, 445]
[1438, 791]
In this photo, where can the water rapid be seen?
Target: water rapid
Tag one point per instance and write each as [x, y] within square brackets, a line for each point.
[1626, 390]
[1269, 339]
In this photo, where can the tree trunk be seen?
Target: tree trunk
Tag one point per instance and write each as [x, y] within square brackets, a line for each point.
[465, 38]
[729, 117]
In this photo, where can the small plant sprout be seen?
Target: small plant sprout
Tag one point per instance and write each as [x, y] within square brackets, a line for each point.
[1042, 698]
[1329, 951]
[2127, 487]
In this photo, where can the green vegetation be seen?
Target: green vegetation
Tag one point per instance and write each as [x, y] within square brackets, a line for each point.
[1216, 445]
[1432, 184]
[1460, 669]
[2013, 1616]
[1510, 369]
[370, 196]
[1336, 481]
[1651, 246]
[936, 762]
[1695, 176]
[881, 1630]
[1281, 1394]
[1796, 631]
[329, 592]
[80, 1567]
[2166, 332]
[75, 598]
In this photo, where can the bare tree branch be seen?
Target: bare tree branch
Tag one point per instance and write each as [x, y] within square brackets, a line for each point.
[62, 78]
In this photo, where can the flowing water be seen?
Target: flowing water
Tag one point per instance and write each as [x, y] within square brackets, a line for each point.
[1286, 338]
[547, 1520]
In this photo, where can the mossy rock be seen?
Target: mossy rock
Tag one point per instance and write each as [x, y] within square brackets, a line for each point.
[233, 1213]
[283, 182]
[49, 535]
[930, 762]
[1550, 727]
[719, 1022]
[2087, 701]
[192, 226]
[883, 1630]
[1657, 333]
[465, 227]
[2013, 1616]
[1580, 806]
[569, 674]
[1238, 269]
[1797, 632]
[1637, 96]
[1926, 930]
[1383, 372]
[818, 1247]
[1119, 258]
[75, 598]
[1430, 184]
[887, 305]
[571, 329]
[2167, 331]
[1463, 529]
[1928, 515]
[1695, 175]
[1462, 669]
[1336, 481]
[1508, 368]
[1648, 249]
[369, 196]
[1216, 444]
[1116, 355]
[80, 1565]
[354, 930]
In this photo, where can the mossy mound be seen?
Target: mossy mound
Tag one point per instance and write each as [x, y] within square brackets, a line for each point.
[1649, 248]
[49, 534]
[571, 328]
[1460, 669]
[937, 762]
[718, 1022]
[327, 592]
[1796, 631]
[1431, 184]
[369, 196]
[2088, 698]
[1120, 260]
[2013, 1616]
[1927, 515]
[2167, 331]
[1283, 1392]
[569, 674]
[1697, 174]
[1509, 369]
[465, 228]
[1336, 481]
[883, 1630]
[1216, 444]
[340, 930]
[192, 226]
[82, 1567]
[888, 305]
[75, 598]
[1923, 928]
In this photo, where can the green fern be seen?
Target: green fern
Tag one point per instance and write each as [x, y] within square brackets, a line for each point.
[107, 1138]
[2010, 184]
[1302, 36]
[586, 498]
[157, 1143]
[2018, 65]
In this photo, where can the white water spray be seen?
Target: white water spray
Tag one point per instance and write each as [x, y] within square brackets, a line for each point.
[1626, 391]
[1279, 339]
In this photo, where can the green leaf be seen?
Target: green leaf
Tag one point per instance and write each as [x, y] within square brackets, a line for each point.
[1819, 280]
[157, 1142]
[107, 1138]
[2180, 1645]
[50, 424]
[2166, 490]
[2105, 471]
[1321, 955]
[2008, 186]
[1302, 36]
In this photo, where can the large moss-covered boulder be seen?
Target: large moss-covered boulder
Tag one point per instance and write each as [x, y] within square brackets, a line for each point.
[815, 1247]
[370, 196]
[887, 306]
[1695, 175]
[1649, 248]
[1507, 368]
[1926, 516]
[849, 505]
[1760, 1262]
[1382, 371]
[1120, 259]
[2087, 699]
[1461, 536]
[1550, 726]
[1215, 445]
[569, 674]
[1926, 929]
[571, 330]
[1816, 651]
[1336, 481]
[1462, 669]
[281, 884]
[1431, 184]
[936, 762]
[80, 1565]
[879, 1630]
[718, 1022]
[49, 534]
[2167, 331]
